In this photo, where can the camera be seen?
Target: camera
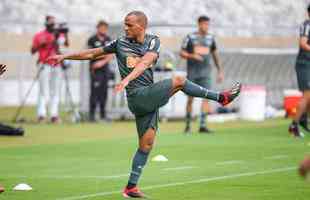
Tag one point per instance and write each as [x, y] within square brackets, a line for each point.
[61, 28]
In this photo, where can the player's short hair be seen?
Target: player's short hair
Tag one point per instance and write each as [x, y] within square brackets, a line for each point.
[203, 18]
[102, 23]
[142, 18]
[308, 8]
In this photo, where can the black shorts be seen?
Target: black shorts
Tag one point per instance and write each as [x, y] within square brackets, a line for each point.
[144, 103]
[303, 74]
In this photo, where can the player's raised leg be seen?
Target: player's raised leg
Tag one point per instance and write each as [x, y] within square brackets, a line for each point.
[192, 89]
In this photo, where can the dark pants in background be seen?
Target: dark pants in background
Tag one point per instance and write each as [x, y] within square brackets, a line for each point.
[98, 93]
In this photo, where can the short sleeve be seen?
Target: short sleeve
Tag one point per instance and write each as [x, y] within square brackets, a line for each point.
[213, 45]
[110, 47]
[154, 45]
[304, 29]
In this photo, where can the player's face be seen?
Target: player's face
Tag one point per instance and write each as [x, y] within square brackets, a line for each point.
[131, 26]
[102, 30]
[203, 26]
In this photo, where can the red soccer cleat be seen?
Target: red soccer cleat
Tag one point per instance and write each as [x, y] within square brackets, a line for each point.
[133, 193]
[230, 95]
[1, 189]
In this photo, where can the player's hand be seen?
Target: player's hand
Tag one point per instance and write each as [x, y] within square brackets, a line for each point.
[56, 58]
[121, 86]
[197, 57]
[2, 68]
[220, 77]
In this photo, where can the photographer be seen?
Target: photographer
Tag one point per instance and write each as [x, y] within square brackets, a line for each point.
[99, 73]
[45, 43]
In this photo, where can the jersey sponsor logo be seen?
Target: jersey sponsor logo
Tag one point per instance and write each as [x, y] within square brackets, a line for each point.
[132, 61]
[201, 50]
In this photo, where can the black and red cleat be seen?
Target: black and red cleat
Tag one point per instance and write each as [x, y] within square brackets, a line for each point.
[228, 96]
[133, 193]
[1, 189]
[294, 130]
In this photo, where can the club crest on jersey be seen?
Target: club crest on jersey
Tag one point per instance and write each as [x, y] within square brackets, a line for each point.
[97, 44]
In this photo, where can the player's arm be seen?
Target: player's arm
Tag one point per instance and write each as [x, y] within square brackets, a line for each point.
[2, 69]
[102, 61]
[146, 61]
[304, 35]
[303, 43]
[88, 54]
[217, 62]
[184, 53]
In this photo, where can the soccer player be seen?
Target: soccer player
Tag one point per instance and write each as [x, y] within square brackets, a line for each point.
[303, 76]
[196, 49]
[136, 53]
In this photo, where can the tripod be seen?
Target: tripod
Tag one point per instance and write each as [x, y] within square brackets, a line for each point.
[75, 117]
[22, 105]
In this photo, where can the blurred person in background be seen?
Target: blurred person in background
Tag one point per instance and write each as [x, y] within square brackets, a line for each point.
[45, 44]
[303, 76]
[99, 73]
[197, 49]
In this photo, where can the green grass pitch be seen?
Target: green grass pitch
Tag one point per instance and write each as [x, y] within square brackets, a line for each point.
[241, 161]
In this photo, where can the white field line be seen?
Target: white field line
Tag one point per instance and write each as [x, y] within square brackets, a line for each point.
[203, 180]
[72, 177]
[230, 162]
[179, 168]
[276, 157]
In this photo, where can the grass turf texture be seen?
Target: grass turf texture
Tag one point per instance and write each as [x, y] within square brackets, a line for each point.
[242, 160]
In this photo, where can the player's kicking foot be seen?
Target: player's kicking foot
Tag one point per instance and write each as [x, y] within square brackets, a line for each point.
[1, 189]
[294, 130]
[133, 193]
[228, 96]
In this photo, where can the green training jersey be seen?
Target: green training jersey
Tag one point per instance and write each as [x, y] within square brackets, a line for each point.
[303, 55]
[202, 45]
[128, 53]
